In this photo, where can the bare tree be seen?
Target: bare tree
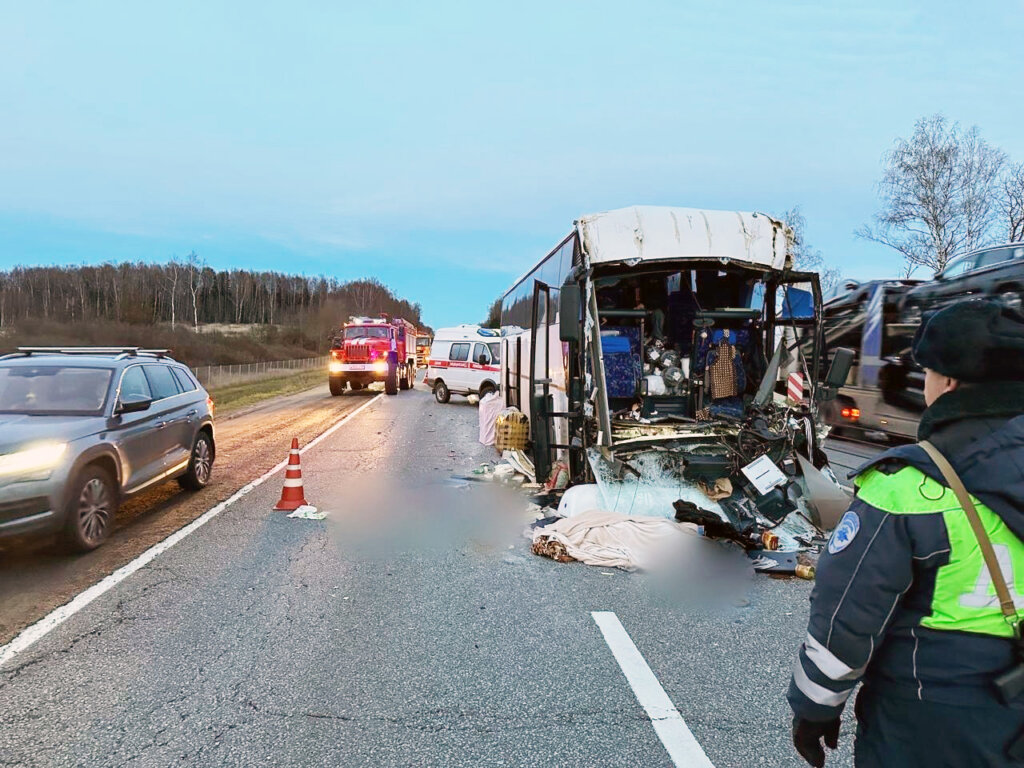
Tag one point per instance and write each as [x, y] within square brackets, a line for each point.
[939, 193]
[171, 278]
[806, 258]
[1011, 204]
[195, 283]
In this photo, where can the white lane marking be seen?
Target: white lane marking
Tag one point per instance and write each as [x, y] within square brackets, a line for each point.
[58, 616]
[668, 723]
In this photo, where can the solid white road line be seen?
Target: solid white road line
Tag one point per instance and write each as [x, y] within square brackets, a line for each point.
[51, 621]
[668, 723]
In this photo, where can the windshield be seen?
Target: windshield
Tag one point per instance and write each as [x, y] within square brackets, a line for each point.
[51, 389]
[366, 332]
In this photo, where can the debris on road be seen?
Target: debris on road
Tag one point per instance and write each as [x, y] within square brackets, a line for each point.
[511, 430]
[308, 512]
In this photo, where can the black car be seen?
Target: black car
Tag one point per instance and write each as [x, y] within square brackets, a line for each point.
[83, 428]
[996, 273]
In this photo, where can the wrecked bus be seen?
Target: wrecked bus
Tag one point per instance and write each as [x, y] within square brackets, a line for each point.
[651, 349]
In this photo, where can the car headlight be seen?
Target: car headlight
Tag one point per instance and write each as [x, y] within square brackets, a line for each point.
[38, 458]
[381, 366]
[335, 367]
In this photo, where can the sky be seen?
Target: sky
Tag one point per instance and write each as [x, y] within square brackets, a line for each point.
[445, 147]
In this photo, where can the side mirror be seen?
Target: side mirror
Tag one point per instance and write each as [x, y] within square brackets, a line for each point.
[569, 312]
[133, 404]
[840, 368]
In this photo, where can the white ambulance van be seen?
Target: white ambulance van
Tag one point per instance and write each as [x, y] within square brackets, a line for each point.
[464, 360]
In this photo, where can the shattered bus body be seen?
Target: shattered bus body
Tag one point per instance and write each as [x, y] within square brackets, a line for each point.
[651, 350]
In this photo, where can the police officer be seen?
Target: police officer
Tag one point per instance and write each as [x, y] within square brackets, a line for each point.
[903, 599]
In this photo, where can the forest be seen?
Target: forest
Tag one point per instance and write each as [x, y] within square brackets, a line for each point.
[105, 304]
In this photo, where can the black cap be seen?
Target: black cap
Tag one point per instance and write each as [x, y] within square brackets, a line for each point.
[975, 340]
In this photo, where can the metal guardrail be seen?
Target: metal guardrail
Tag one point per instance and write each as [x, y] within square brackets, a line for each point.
[219, 375]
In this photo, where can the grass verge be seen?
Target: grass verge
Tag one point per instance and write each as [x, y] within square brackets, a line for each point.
[231, 397]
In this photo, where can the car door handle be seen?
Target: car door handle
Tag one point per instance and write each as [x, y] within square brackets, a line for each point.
[161, 424]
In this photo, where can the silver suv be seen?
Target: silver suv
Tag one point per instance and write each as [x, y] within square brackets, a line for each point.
[82, 428]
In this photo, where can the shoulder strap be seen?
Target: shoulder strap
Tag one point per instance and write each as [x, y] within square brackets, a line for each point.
[1005, 600]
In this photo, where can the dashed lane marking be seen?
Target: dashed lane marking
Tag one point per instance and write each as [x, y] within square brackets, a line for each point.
[58, 616]
[677, 738]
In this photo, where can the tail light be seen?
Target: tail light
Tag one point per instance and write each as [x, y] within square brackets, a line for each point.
[209, 404]
[850, 414]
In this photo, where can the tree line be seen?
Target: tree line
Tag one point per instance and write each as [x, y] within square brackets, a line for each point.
[191, 293]
[945, 191]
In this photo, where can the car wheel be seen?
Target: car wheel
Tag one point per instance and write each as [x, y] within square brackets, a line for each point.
[441, 393]
[485, 390]
[337, 387]
[1013, 299]
[200, 466]
[90, 512]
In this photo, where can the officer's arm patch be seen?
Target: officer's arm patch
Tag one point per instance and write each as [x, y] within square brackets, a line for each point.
[844, 533]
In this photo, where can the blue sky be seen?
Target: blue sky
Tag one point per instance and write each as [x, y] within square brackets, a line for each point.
[444, 146]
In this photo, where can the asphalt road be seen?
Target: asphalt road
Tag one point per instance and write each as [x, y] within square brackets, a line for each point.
[35, 578]
[846, 455]
[411, 628]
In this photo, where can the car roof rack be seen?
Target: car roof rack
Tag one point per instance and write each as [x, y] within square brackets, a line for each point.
[119, 352]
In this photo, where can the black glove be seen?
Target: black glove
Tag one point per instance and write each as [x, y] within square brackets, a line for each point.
[807, 739]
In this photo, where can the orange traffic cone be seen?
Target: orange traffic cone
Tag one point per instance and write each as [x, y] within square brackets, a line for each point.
[292, 496]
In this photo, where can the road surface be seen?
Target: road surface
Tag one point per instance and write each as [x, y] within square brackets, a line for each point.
[35, 579]
[411, 628]
[846, 455]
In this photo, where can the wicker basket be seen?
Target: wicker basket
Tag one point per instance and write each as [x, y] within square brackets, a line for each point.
[511, 430]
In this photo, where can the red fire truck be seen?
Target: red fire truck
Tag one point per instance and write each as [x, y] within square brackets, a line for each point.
[373, 349]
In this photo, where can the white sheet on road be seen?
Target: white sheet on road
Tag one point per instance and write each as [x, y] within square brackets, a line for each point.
[611, 540]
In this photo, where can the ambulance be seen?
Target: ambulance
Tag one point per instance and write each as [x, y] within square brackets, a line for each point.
[464, 360]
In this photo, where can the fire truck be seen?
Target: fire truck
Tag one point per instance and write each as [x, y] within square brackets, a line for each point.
[373, 349]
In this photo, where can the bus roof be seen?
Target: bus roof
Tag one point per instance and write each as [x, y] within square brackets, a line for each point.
[650, 233]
